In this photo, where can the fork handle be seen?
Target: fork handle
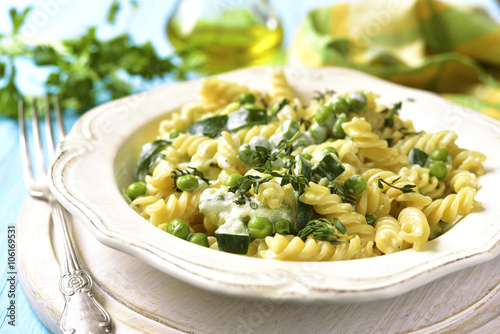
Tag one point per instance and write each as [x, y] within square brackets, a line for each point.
[81, 313]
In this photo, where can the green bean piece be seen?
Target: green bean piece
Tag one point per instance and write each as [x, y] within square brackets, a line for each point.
[136, 189]
[438, 169]
[355, 184]
[232, 180]
[187, 183]
[199, 239]
[179, 228]
[260, 227]
[245, 98]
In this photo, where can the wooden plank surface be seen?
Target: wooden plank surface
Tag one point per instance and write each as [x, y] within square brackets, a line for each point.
[142, 299]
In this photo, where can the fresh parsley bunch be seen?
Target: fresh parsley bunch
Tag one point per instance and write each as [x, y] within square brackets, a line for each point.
[84, 70]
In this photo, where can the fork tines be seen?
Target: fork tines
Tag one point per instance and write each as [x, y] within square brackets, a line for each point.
[38, 152]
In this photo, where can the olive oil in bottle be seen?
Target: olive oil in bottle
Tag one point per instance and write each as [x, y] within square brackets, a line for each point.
[226, 34]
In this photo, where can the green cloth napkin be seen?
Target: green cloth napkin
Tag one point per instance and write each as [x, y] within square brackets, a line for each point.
[442, 47]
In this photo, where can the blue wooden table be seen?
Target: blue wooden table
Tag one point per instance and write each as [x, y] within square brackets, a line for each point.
[66, 19]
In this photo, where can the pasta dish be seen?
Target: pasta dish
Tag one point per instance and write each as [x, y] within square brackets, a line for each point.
[261, 174]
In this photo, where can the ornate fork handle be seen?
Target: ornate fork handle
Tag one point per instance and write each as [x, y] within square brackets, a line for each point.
[82, 313]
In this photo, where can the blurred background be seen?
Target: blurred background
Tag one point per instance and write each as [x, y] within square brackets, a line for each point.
[91, 51]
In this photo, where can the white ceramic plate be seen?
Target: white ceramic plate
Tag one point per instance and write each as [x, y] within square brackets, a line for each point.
[97, 159]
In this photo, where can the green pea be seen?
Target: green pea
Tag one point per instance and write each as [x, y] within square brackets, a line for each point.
[337, 130]
[199, 239]
[330, 149]
[136, 189]
[178, 228]
[175, 133]
[440, 154]
[187, 183]
[438, 169]
[355, 184]
[282, 226]
[339, 105]
[246, 154]
[325, 116]
[307, 156]
[245, 98]
[260, 227]
[357, 102]
[318, 132]
[232, 180]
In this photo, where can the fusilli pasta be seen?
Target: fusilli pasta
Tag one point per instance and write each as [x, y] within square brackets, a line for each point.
[262, 174]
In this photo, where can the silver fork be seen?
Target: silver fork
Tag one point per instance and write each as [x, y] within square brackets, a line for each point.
[81, 313]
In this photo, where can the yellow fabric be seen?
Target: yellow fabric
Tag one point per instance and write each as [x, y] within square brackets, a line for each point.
[427, 44]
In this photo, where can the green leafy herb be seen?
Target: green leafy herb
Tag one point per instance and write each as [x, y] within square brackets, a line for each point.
[244, 185]
[322, 96]
[323, 230]
[276, 108]
[246, 117]
[411, 134]
[214, 125]
[407, 188]
[338, 188]
[149, 153]
[391, 112]
[370, 219]
[306, 122]
[210, 126]
[288, 176]
[85, 70]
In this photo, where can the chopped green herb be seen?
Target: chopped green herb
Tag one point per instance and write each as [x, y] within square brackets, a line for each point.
[411, 134]
[407, 188]
[149, 154]
[323, 230]
[84, 70]
[245, 183]
[277, 107]
[322, 96]
[389, 121]
[338, 188]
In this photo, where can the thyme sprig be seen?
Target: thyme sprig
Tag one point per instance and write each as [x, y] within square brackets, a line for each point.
[322, 96]
[407, 188]
[193, 171]
[391, 112]
[245, 184]
[338, 188]
[323, 230]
